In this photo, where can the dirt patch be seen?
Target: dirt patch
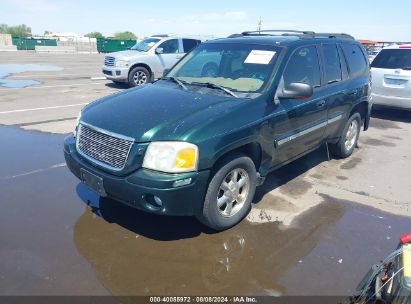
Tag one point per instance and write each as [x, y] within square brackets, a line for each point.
[295, 187]
[362, 193]
[273, 202]
[317, 176]
[393, 137]
[383, 124]
[352, 163]
[340, 177]
[378, 142]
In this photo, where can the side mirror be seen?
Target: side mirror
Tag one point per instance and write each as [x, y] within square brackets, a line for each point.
[165, 72]
[296, 90]
[159, 50]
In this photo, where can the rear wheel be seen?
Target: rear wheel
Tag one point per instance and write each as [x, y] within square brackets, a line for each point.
[349, 137]
[138, 76]
[229, 194]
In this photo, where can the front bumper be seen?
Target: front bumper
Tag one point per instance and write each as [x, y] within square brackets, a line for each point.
[392, 101]
[134, 188]
[115, 73]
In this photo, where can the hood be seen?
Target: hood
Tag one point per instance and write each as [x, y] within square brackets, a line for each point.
[156, 112]
[127, 54]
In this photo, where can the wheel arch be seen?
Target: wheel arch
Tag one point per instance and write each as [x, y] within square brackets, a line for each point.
[251, 149]
[362, 109]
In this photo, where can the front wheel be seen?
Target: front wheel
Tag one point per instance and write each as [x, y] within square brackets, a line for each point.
[349, 137]
[138, 76]
[229, 194]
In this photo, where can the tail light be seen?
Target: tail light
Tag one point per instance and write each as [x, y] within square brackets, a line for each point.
[405, 238]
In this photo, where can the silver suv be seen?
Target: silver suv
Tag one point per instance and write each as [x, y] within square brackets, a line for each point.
[391, 77]
[146, 60]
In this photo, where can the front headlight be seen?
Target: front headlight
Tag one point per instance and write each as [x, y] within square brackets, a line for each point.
[121, 63]
[77, 122]
[171, 156]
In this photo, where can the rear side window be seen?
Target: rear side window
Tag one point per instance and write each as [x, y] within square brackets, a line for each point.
[393, 59]
[357, 62]
[303, 67]
[332, 64]
[189, 44]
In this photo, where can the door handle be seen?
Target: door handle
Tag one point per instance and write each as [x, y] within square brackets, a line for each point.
[353, 92]
[320, 104]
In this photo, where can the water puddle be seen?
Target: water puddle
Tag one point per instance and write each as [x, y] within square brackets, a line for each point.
[6, 70]
[59, 238]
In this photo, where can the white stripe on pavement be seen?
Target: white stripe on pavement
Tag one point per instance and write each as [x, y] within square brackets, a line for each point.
[45, 108]
[49, 75]
[52, 86]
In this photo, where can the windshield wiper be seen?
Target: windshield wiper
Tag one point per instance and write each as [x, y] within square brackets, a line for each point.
[215, 86]
[176, 80]
[407, 68]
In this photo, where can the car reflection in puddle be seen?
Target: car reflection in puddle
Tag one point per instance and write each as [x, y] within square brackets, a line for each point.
[139, 253]
[7, 70]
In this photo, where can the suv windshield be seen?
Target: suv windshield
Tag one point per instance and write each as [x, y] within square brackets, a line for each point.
[393, 59]
[237, 67]
[145, 45]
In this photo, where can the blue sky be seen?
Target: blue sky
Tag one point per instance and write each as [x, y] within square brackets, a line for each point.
[366, 19]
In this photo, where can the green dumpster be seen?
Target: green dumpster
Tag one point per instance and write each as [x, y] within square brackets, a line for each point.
[23, 43]
[105, 45]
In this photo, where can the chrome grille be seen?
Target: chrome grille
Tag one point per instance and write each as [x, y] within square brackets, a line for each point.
[109, 61]
[110, 150]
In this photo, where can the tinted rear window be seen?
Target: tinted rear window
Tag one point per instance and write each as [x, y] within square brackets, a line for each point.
[393, 59]
[357, 62]
[332, 63]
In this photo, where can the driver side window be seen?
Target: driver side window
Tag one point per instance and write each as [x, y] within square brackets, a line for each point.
[303, 67]
[170, 46]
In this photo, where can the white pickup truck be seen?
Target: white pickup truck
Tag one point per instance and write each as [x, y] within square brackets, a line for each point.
[146, 60]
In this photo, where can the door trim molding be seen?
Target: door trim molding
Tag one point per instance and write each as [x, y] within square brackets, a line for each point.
[309, 130]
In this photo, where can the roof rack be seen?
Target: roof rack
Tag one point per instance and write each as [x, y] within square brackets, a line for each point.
[285, 32]
[163, 35]
[309, 34]
[334, 35]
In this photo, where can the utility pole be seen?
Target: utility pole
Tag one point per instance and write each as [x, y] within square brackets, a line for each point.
[259, 25]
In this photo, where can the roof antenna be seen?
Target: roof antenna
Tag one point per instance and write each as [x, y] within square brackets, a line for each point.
[259, 26]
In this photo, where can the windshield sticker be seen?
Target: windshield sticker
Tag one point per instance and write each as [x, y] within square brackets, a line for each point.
[259, 57]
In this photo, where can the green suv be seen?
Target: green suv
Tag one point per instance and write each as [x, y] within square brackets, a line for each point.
[200, 140]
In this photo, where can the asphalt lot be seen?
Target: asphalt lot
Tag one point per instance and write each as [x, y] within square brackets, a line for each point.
[315, 229]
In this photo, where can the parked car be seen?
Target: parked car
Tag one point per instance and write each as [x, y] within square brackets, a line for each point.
[199, 141]
[391, 77]
[146, 60]
[388, 281]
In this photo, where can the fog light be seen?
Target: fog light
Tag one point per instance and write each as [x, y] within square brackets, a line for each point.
[158, 201]
[153, 202]
[182, 182]
[118, 73]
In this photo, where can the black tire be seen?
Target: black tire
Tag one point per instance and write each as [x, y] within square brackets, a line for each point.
[340, 149]
[212, 215]
[142, 74]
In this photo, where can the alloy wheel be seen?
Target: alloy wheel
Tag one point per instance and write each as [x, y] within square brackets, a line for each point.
[351, 135]
[233, 192]
[140, 78]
